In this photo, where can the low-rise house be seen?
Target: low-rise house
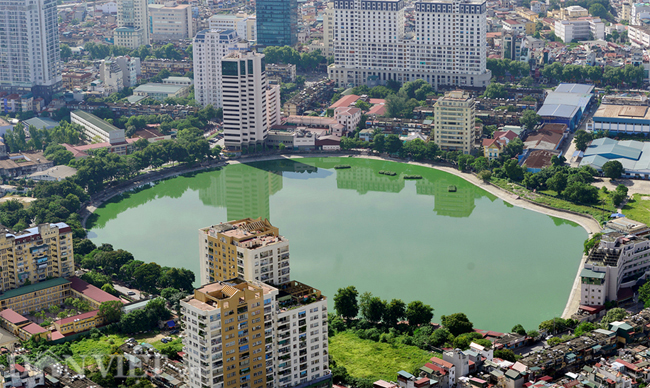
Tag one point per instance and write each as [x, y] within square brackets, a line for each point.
[26, 376]
[22, 163]
[160, 91]
[348, 117]
[536, 160]
[79, 323]
[492, 148]
[547, 137]
[54, 174]
[93, 295]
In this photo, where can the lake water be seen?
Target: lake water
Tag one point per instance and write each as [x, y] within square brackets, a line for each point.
[465, 251]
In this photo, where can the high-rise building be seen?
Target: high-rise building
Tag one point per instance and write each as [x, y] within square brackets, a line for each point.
[277, 22]
[35, 254]
[208, 47]
[132, 24]
[448, 46]
[171, 21]
[248, 334]
[328, 30]
[130, 69]
[454, 122]
[244, 24]
[30, 57]
[273, 105]
[243, 80]
[249, 249]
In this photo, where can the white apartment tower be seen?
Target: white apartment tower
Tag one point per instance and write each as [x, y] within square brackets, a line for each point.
[274, 105]
[448, 46]
[208, 47]
[132, 24]
[30, 56]
[328, 30]
[245, 121]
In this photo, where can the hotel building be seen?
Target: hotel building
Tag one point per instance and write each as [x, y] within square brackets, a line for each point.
[447, 47]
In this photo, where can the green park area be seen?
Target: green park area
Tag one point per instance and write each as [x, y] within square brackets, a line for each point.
[638, 208]
[372, 360]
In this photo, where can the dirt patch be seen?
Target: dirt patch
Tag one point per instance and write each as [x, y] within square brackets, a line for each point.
[645, 198]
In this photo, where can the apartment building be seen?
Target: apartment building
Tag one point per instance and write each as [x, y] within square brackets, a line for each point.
[130, 67]
[245, 25]
[614, 266]
[454, 122]
[208, 47]
[30, 56]
[249, 334]
[581, 29]
[111, 76]
[250, 249]
[132, 24]
[243, 81]
[274, 105]
[35, 254]
[447, 46]
[171, 21]
[328, 30]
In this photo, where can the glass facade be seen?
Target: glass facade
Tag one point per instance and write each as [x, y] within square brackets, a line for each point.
[277, 22]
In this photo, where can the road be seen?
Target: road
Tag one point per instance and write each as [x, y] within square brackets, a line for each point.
[124, 290]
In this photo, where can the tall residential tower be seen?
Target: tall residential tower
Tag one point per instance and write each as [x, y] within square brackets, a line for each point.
[208, 47]
[448, 46]
[132, 24]
[30, 56]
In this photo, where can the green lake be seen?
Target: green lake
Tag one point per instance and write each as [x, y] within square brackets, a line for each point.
[465, 251]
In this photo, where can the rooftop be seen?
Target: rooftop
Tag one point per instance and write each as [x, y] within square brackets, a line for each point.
[56, 172]
[158, 88]
[90, 291]
[638, 112]
[78, 317]
[33, 288]
[96, 121]
[12, 317]
[41, 122]
[248, 233]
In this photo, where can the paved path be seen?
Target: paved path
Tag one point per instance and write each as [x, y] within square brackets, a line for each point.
[634, 186]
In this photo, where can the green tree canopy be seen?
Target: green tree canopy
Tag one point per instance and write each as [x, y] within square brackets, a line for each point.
[457, 323]
[345, 302]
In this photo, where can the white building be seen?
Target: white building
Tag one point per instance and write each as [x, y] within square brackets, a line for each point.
[181, 81]
[107, 8]
[274, 105]
[638, 12]
[639, 36]
[537, 6]
[349, 117]
[513, 26]
[130, 69]
[171, 21]
[208, 47]
[30, 59]
[244, 88]
[132, 24]
[111, 76]
[96, 129]
[580, 29]
[244, 24]
[454, 122]
[448, 46]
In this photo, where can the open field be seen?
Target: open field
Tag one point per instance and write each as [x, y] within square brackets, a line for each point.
[638, 208]
[375, 360]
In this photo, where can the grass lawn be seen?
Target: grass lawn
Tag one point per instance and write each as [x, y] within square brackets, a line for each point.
[558, 202]
[637, 208]
[375, 360]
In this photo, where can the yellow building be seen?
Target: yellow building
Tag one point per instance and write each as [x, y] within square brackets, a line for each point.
[91, 294]
[527, 14]
[37, 296]
[231, 319]
[20, 326]
[79, 323]
[35, 254]
[250, 249]
[454, 122]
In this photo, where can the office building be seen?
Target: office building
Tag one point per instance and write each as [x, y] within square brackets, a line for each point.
[248, 334]
[30, 56]
[35, 254]
[454, 122]
[171, 21]
[580, 29]
[243, 81]
[447, 47]
[250, 249]
[277, 22]
[245, 25]
[132, 24]
[208, 47]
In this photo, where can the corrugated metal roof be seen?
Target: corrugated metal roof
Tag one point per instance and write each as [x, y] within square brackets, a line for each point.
[574, 88]
[558, 110]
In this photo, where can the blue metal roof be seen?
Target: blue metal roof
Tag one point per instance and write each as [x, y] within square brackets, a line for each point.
[574, 88]
[558, 110]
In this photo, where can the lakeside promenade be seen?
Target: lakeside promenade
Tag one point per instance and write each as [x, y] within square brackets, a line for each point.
[587, 222]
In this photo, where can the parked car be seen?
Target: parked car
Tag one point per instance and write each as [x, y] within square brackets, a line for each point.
[173, 331]
[131, 293]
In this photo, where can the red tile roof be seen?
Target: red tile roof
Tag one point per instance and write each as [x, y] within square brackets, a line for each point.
[442, 363]
[33, 328]
[56, 335]
[73, 318]
[436, 368]
[19, 368]
[345, 101]
[12, 317]
[90, 291]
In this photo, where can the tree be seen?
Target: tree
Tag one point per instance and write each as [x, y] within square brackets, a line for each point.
[345, 302]
[146, 276]
[519, 329]
[393, 144]
[579, 192]
[505, 354]
[418, 313]
[529, 119]
[394, 312]
[457, 323]
[108, 287]
[613, 315]
[557, 182]
[281, 146]
[111, 311]
[598, 10]
[590, 243]
[372, 307]
[582, 139]
[485, 175]
[440, 337]
[584, 328]
[66, 52]
[613, 169]
[379, 142]
[495, 90]
[513, 170]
